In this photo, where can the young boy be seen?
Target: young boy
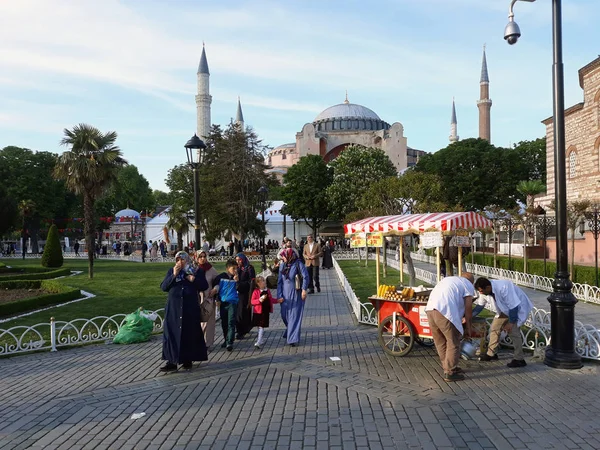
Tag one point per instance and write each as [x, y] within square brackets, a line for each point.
[225, 285]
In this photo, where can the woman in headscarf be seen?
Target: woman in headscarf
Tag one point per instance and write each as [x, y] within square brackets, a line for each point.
[291, 291]
[183, 340]
[246, 274]
[210, 273]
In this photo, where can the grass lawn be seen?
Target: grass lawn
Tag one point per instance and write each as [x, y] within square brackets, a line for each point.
[363, 279]
[119, 286]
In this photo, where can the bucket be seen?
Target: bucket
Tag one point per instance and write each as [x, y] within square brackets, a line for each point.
[468, 349]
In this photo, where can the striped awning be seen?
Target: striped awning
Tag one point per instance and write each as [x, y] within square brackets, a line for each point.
[418, 223]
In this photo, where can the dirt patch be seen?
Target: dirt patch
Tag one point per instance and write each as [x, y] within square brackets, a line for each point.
[11, 295]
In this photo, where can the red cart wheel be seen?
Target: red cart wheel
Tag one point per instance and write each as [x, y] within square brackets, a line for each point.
[398, 340]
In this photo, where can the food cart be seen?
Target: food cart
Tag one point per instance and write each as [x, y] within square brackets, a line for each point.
[401, 313]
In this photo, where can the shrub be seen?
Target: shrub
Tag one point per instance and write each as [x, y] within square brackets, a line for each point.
[58, 294]
[52, 256]
[33, 273]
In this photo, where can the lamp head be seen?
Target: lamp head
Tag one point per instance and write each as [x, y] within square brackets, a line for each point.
[512, 33]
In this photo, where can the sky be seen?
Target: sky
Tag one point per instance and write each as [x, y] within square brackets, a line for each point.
[130, 66]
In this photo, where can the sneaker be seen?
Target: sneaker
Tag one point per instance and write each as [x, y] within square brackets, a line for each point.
[459, 370]
[224, 344]
[169, 367]
[257, 344]
[456, 376]
[229, 348]
[486, 357]
[516, 363]
[318, 289]
[187, 365]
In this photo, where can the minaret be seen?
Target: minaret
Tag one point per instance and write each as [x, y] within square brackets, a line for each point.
[203, 98]
[453, 124]
[239, 116]
[484, 103]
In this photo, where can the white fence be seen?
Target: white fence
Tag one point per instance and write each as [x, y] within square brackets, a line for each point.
[536, 333]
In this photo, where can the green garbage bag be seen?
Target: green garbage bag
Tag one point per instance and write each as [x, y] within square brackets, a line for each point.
[136, 328]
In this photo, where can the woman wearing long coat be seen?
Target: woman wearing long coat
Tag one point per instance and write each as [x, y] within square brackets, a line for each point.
[327, 259]
[210, 273]
[246, 273]
[293, 296]
[183, 340]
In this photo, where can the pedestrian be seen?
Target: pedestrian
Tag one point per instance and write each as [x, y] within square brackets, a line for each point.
[226, 293]
[183, 340]
[154, 251]
[312, 252]
[76, 248]
[144, 250]
[450, 300]
[512, 309]
[327, 258]
[291, 293]
[245, 273]
[210, 273]
[262, 307]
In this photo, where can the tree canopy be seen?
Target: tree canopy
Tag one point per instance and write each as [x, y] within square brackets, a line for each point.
[353, 171]
[304, 190]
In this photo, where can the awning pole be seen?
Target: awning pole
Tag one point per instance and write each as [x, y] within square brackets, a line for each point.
[401, 259]
[377, 266]
[437, 263]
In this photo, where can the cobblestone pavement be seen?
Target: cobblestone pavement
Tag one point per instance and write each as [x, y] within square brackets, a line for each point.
[586, 313]
[293, 397]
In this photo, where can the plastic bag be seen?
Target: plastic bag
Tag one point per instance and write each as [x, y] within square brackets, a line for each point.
[136, 328]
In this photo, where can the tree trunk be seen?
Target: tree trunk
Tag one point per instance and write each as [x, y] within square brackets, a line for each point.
[179, 241]
[88, 226]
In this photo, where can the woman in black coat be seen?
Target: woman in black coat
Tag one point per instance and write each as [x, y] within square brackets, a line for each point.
[246, 274]
[183, 340]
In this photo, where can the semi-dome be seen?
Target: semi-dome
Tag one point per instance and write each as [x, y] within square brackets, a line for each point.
[347, 110]
[349, 117]
[127, 215]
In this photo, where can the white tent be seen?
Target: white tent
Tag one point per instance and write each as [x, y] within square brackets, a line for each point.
[155, 228]
[274, 224]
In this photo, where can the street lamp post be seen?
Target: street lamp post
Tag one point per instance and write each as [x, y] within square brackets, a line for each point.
[263, 192]
[561, 351]
[195, 161]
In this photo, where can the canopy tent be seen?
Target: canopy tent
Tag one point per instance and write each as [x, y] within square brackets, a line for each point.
[418, 223]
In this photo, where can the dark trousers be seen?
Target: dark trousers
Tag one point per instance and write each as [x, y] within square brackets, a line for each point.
[313, 277]
[228, 311]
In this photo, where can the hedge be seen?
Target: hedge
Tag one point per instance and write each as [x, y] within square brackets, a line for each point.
[52, 256]
[58, 294]
[34, 273]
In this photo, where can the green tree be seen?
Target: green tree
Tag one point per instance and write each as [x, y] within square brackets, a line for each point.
[532, 159]
[162, 198]
[53, 256]
[180, 223]
[8, 211]
[353, 170]
[304, 190]
[88, 169]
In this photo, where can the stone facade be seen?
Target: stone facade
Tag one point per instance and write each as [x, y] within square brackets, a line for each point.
[582, 137]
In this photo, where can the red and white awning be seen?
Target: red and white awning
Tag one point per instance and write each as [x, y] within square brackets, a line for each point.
[418, 223]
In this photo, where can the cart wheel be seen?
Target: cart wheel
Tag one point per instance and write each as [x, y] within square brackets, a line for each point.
[425, 342]
[398, 344]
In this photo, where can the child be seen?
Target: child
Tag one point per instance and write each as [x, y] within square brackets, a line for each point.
[225, 285]
[262, 305]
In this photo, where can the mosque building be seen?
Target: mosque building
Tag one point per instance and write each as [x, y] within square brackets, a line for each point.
[340, 126]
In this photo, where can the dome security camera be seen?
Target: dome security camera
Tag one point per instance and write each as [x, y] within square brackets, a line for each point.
[512, 33]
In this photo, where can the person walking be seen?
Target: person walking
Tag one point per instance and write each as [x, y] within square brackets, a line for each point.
[291, 293]
[327, 258]
[262, 306]
[154, 251]
[210, 273]
[450, 300]
[512, 309]
[183, 340]
[312, 253]
[144, 251]
[76, 248]
[245, 273]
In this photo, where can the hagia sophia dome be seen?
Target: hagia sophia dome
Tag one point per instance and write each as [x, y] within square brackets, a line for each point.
[349, 116]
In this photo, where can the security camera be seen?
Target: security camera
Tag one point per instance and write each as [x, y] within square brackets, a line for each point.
[512, 33]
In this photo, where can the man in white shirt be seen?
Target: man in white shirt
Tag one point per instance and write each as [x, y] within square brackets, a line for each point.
[450, 301]
[512, 309]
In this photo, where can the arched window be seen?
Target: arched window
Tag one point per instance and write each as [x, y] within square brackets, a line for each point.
[573, 164]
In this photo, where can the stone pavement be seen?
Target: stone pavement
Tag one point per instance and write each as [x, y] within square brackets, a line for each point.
[292, 398]
[586, 313]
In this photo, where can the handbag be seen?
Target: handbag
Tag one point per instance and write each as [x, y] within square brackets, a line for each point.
[298, 278]
[207, 310]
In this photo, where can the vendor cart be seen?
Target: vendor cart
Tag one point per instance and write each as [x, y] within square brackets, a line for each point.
[402, 322]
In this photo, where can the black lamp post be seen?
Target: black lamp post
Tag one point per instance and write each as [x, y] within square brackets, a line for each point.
[196, 152]
[284, 214]
[594, 226]
[561, 351]
[263, 192]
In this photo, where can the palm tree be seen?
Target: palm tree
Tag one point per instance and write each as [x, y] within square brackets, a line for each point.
[530, 189]
[179, 222]
[88, 169]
